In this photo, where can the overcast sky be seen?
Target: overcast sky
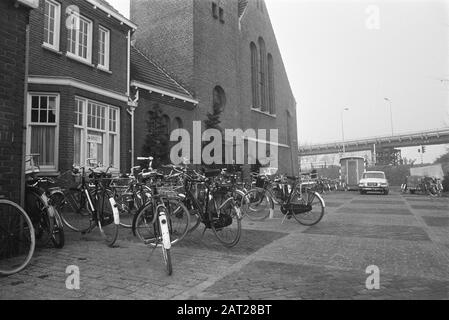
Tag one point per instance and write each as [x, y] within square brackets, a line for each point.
[353, 54]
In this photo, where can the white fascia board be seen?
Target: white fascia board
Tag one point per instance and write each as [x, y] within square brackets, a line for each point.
[113, 14]
[148, 87]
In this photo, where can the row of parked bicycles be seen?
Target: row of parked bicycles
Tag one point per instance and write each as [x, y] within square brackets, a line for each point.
[161, 207]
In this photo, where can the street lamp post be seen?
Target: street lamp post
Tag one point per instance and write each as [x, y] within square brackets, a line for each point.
[343, 129]
[391, 115]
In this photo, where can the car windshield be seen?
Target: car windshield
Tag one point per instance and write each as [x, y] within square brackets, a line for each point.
[374, 175]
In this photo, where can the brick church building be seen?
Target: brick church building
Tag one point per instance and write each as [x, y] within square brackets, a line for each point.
[224, 48]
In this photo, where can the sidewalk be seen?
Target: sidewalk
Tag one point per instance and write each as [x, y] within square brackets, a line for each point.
[406, 237]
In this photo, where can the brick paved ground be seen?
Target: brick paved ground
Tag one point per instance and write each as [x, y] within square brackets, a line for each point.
[406, 237]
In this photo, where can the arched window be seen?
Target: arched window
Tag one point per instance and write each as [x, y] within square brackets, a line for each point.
[254, 76]
[271, 86]
[263, 75]
[166, 120]
[177, 123]
[219, 99]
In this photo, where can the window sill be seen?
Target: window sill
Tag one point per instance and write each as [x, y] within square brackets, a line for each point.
[51, 49]
[264, 113]
[104, 69]
[78, 59]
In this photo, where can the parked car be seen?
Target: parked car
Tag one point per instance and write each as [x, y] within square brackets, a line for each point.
[374, 181]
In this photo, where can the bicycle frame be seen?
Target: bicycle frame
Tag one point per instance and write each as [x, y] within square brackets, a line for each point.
[97, 188]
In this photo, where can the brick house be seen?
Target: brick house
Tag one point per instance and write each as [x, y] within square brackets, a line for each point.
[14, 19]
[78, 89]
[224, 48]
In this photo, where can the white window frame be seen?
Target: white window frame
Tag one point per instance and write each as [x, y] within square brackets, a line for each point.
[57, 26]
[77, 55]
[56, 125]
[107, 47]
[106, 133]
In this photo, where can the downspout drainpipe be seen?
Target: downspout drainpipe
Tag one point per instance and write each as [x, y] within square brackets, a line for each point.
[25, 111]
[131, 110]
[132, 103]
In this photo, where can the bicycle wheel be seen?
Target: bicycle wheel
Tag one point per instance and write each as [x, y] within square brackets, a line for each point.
[164, 238]
[129, 204]
[40, 217]
[312, 199]
[58, 237]
[226, 223]
[17, 238]
[166, 253]
[178, 219]
[144, 224]
[106, 218]
[256, 205]
[192, 205]
[74, 210]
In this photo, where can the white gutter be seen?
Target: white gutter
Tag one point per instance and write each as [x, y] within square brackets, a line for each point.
[151, 88]
[112, 13]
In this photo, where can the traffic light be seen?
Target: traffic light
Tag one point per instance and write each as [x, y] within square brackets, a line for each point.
[423, 149]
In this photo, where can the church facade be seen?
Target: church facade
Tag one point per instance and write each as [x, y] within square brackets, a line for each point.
[223, 52]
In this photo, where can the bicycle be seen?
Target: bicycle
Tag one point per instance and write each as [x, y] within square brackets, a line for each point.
[154, 222]
[297, 199]
[90, 205]
[131, 193]
[41, 208]
[213, 205]
[17, 238]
